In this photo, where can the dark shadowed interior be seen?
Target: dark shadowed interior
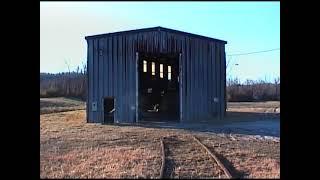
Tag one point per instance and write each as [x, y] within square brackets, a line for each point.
[158, 87]
[108, 105]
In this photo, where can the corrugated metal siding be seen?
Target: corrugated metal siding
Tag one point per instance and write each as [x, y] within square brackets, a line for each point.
[113, 73]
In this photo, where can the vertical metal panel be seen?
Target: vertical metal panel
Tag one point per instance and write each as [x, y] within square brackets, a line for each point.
[126, 63]
[126, 78]
[218, 77]
[182, 45]
[110, 67]
[210, 80]
[95, 78]
[200, 78]
[105, 77]
[87, 85]
[137, 87]
[197, 79]
[159, 41]
[131, 82]
[204, 96]
[207, 85]
[120, 84]
[192, 80]
[154, 42]
[134, 50]
[124, 81]
[106, 74]
[129, 61]
[215, 78]
[116, 76]
[223, 78]
[188, 80]
[132, 79]
[205, 80]
[180, 86]
[214, 64]
[100, 79]
[190, 75]
[90, 80]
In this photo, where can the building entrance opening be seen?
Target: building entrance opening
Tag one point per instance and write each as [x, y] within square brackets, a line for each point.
[109, 109]
[158, 87]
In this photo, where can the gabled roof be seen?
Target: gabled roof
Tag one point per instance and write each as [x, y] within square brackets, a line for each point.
[159, 28]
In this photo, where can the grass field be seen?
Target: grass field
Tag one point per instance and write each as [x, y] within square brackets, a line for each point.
[72, 148]
[52, 105]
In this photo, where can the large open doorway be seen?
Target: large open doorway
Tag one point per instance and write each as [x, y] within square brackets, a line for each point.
[158, 90]
[108, 105]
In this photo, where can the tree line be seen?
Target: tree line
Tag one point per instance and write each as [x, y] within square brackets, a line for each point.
[250, 90]
[74, 84]
[66, 84]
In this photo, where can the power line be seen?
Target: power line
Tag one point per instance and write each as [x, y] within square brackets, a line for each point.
[254, 52]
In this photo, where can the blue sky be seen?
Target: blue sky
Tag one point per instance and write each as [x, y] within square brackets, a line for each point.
[247, 26]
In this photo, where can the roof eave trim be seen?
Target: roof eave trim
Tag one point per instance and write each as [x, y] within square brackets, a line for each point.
[158, 28]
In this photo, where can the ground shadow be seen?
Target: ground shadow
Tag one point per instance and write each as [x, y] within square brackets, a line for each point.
[233, 171]
[169, 162]
[247, 123]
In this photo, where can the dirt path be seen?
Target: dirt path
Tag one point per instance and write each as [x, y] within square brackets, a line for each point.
[186, 159]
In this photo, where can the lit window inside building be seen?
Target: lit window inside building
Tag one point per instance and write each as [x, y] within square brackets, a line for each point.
[161, 70]
[169, 72]
[144, 66]
[153, 68]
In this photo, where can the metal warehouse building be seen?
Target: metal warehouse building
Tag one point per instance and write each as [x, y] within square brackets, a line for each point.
[155, 74]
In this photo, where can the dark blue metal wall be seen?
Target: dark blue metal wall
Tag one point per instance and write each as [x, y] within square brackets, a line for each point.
[112, 72]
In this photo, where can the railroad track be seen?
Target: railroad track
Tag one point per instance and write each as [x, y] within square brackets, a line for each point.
[187, 157]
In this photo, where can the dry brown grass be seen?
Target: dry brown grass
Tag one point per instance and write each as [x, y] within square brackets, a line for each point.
[255, 107]
[60, 104]
[246, 157]
[72, 148]
[186, 159]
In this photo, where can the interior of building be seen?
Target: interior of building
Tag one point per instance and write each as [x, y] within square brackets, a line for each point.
[158, 87]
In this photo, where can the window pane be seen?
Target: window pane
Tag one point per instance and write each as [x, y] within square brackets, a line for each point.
[153, 68]
[161, 70]
[144, 66]
[169, 72]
